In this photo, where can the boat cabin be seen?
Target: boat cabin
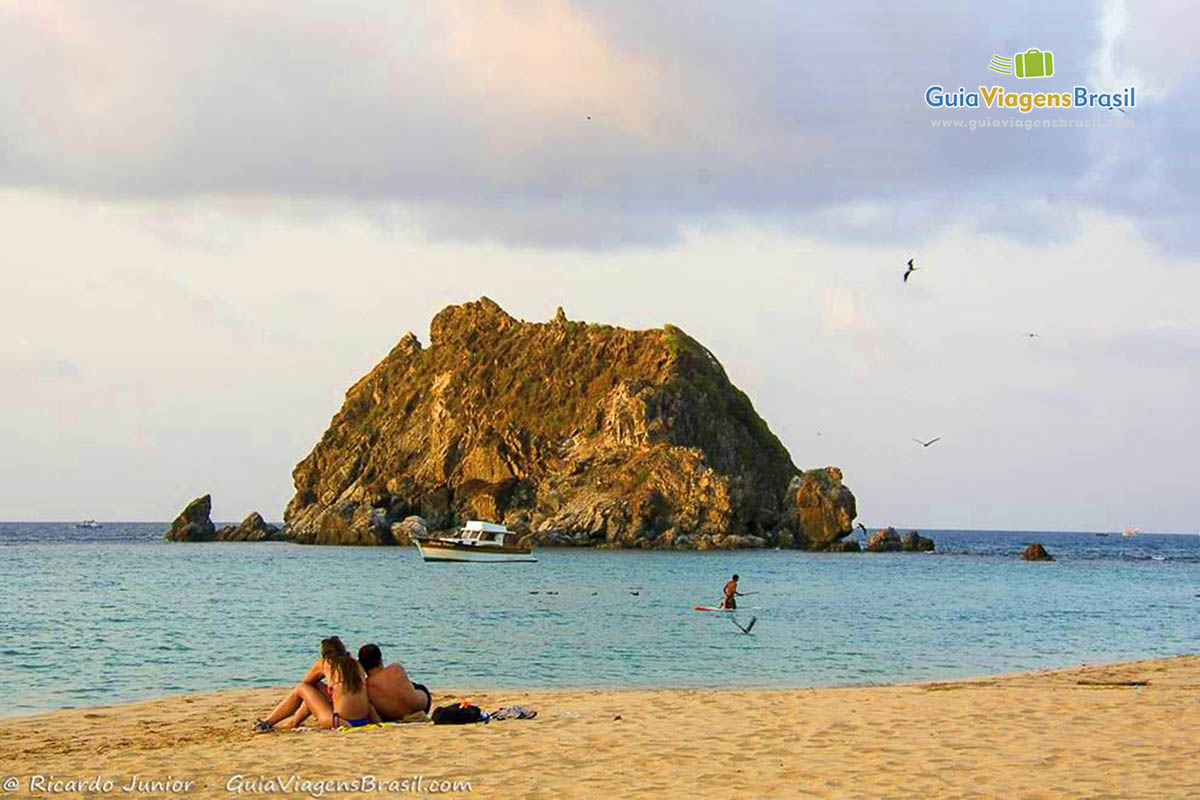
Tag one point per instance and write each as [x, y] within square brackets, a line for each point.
[487, 533]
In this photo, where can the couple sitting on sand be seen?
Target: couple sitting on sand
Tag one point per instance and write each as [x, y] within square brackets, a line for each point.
[337, 691]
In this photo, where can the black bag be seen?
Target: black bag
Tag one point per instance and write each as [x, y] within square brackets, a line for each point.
[458, 714]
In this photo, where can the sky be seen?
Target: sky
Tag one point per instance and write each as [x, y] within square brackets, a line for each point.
[216, 216]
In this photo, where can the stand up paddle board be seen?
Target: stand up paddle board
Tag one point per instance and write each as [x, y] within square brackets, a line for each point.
[711, 608]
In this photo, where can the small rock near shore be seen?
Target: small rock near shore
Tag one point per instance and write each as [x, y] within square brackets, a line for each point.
[408, 529]
[914, 542]
[252, 529]
[885, 540]
[1035, 552]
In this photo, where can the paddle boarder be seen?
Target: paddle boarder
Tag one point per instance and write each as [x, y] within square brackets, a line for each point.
[730, 592]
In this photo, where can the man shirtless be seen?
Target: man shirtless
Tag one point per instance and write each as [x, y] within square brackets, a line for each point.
[731, 592]
[392, 694]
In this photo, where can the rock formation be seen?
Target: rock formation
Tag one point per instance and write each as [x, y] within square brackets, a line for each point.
[849, 545]
[820, 509]
[252, 529]
[885, 540]
[915, 542]
[193, 523]
[408, 529]
[1035, 552]
[570, 433]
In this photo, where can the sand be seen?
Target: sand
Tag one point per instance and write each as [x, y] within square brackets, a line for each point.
[1066, 733]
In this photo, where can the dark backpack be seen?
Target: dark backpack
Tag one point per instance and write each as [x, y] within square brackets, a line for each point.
[458, 714]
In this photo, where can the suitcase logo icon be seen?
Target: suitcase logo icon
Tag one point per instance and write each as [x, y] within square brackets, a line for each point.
[1033, 63]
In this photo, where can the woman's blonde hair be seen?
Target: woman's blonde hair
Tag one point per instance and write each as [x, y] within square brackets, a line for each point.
[333, 652]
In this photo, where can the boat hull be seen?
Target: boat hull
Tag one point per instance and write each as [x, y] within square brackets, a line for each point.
[442, 550]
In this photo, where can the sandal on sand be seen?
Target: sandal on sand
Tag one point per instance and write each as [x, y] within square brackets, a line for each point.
[262, 726]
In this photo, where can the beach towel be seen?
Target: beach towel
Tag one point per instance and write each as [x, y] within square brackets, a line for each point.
[416, 716]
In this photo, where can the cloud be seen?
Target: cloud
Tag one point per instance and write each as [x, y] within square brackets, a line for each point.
[1144, 43]
[574, 124]
[1166, 344]
[22, 361]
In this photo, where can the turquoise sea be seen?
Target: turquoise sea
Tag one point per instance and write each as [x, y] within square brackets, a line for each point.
[101, 616]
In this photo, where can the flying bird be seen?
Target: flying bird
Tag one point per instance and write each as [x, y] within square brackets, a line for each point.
[749, 626]
[1031, 335]
[926, 444]
[911, 269]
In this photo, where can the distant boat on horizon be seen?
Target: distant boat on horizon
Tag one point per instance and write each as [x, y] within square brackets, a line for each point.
[1131, 532]
[88, 523]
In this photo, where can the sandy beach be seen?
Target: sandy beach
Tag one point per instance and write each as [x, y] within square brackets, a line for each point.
[1088, 731]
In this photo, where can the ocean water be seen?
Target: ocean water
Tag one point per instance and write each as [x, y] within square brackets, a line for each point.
[101, 616]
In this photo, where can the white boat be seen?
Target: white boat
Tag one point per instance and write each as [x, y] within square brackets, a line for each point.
[88, 523]
[475, 541]
[1131, 532]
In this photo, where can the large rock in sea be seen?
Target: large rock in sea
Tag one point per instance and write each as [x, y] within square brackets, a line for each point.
[820, 509]
[193, 524]
[252, 529]
[571, 433]
[1035, 552]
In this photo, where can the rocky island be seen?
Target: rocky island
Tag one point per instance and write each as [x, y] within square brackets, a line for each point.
[570, 434]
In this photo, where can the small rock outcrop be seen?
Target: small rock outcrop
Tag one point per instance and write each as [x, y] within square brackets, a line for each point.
[252, 529]
[844, 546]
[571, 433]
[914, 542]
[1035, 552]
[885, 540]
[407, 529]
[194, 523]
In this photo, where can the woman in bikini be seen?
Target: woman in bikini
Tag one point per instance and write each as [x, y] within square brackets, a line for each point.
[334, 691]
